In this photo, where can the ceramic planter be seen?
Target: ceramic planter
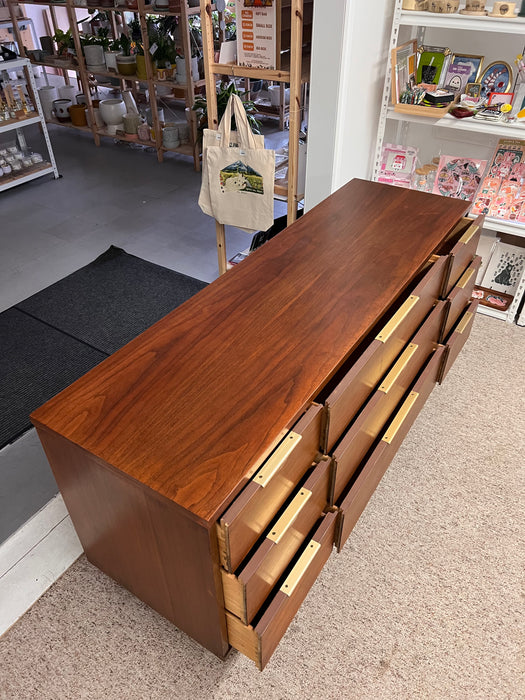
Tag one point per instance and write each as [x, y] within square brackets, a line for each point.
[61, 109]
[112, 111]
[94, 55]
[78, 115]
[127, 65]
[111, 59]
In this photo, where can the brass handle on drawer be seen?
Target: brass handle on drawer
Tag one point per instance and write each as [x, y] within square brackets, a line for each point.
[465, 238]
[464, 322]
[276, 460]
[400, 418]
[289, 516]
[465, 278]
[299, 570]
[392, 377]
[400, 315]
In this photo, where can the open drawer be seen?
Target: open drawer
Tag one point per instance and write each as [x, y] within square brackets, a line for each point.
[259, 640]
[460, 249]
[352, 449]
[247, 589]
[358, 383]
[460, 296]
[256, 506]
[371, 471]
[457, 339]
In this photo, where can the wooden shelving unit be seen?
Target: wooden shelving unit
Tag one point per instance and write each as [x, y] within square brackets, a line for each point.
[184, 92]
[291, 67]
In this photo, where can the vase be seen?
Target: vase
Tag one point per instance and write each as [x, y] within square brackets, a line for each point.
[68, 92]
[47, 94]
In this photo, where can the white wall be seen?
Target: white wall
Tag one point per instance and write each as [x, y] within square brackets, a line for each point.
[349, 56]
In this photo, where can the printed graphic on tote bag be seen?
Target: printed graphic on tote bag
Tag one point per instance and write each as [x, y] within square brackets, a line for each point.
[239, 177]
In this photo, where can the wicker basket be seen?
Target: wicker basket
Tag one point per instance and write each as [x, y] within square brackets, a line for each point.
[446, 7]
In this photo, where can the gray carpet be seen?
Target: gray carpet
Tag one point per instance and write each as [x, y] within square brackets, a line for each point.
[425, 601]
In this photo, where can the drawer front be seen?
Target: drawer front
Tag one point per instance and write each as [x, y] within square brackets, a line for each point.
[458, 338]
[357, 385]
[253, 510]
[373, 469]
[371, 421]
[246, 591]
[462, 254]
[460, 296]
[258, 642]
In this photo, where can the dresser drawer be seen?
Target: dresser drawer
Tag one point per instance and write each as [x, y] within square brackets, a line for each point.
[259, 640]
[247, 589]
[371, 472]
[460, 296]
[256, 506]
[460, 249]
[457, 339]
[371, 421]
[359, 382]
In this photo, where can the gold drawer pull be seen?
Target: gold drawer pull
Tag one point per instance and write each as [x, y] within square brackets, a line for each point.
[394, 374]
[299, 570]
[288, 517]
[277, 459]
[464, 322]
[465, 238]
[398, 421]
[400, 315]
[465, 279]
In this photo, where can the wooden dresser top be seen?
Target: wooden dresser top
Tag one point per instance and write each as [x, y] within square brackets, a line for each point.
[189, 406]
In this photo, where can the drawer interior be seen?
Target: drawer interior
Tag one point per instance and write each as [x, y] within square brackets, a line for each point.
[256, 506]
[246, 590]
[259, 639]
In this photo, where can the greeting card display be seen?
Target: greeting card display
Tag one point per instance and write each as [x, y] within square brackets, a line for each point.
[458, 177]
[501, 193]
[397, 164]
[505, 269]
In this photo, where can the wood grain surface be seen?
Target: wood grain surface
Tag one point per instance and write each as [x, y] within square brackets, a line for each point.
[189, 406]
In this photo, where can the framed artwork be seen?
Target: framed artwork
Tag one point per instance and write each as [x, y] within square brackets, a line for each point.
[433, 64]
[403, 68]
[500, 98]
[497, 77]
[463, 69]
[473, 90]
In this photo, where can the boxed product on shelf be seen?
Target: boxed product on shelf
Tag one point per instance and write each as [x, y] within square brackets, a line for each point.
[458, 177]
[397, 164]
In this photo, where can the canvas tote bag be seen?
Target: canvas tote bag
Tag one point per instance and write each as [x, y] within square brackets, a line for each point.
[217, 137]
[241, 178]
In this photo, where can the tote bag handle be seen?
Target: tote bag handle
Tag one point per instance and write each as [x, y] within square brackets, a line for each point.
[244, 132]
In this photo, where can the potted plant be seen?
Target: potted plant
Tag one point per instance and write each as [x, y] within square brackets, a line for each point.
[224, 93]
[126, 61]
[65, 43]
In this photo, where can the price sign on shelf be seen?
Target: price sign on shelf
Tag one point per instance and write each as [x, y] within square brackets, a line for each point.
[256, 28]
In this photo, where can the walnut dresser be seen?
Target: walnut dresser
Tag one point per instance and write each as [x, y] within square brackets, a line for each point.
[213, 464]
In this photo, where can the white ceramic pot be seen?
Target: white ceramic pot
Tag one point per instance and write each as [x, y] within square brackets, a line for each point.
[112, 111]
[68, 92]
[111, 59]
[170, 136]
[61, 109]
[94, 55]
[275, 95]
[47, 94]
